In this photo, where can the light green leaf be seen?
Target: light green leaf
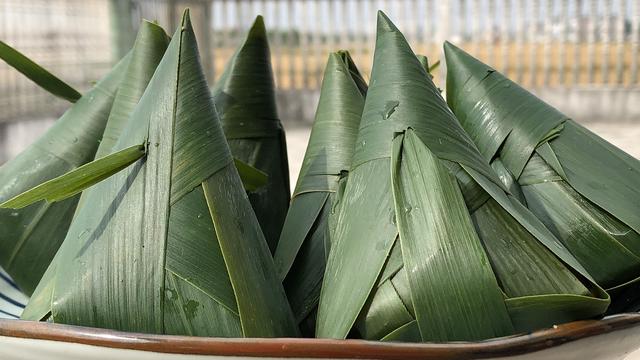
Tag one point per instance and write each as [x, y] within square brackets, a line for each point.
[75, 181]
[364, 235]
[433, 67]
[37, 73]
[455, 293]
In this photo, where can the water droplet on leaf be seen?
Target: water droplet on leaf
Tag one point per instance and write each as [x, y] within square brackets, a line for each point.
[390, 108]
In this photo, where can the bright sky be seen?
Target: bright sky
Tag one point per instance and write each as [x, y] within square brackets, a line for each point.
[319, 15]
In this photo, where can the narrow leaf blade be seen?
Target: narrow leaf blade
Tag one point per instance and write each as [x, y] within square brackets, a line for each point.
[455, 293]
[75, 181]
[252, 178]
[37, 73]
[262, 303]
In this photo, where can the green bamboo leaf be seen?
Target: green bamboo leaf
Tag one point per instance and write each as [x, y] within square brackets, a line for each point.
[303, 214]
[148, 49]
[434, 224]
[583, 188]
[551, 294]
[507, 178]
[301, 253]
[362, 262]
[252, 178]
[178, 220]
[31, 236]
[599, 241]
[37, 73]
[304, 279]
[381, 315]
[408, 332]
[150, 45]
[403, 97]
[424, 61]
[433, 67]
[517, 143]
[75, 181]
[245, 100]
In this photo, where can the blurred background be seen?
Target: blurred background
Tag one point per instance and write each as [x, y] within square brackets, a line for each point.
[581, 56]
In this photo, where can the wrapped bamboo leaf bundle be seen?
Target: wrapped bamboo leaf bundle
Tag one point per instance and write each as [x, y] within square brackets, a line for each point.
[306, 235]
[428, 245]
[583, 188]
[168, 243]
[149, 47]
[245, 100]
[30, 237]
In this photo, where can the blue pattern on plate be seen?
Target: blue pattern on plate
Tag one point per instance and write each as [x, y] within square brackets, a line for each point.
[12, 300]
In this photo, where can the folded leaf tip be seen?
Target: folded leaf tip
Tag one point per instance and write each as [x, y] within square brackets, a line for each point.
[449, 46]
[186, 19]
[385, 24]
[258, 28]
[456, 56]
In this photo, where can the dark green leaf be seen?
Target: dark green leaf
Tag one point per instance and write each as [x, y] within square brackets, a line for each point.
[353, 287]
[408, 332]
[252, 178]
[245, 100]
[401, 96]
[306, 235]
[583, 188]
[455, 293]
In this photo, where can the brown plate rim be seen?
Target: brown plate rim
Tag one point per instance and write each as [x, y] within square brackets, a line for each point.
[319, 348]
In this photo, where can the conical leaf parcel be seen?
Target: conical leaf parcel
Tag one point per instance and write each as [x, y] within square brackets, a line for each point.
[245, 100]
[366, 283]
[170, 244]
[583, 188]
[30, 237]
[301, 253]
